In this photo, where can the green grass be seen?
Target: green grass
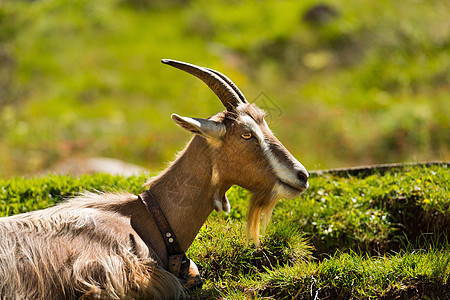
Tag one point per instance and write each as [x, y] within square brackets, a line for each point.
[345, 276]
[371, 236]
[85, 78]
[350, 275]
[19, 195]
[374, 213]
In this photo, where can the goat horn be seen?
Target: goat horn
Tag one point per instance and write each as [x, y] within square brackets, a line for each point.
[223, 87]
[230, 83]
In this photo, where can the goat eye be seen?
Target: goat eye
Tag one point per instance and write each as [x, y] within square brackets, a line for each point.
[246, 136]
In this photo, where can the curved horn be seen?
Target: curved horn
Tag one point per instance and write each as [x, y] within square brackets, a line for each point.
[221, 87]
[230, 83]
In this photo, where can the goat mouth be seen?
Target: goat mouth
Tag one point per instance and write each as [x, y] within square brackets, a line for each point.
[295, 188]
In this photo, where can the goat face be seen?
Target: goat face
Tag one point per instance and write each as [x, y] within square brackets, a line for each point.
[255, 159]
[244, 151]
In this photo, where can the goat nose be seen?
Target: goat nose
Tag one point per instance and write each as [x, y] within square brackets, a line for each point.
[303, 176]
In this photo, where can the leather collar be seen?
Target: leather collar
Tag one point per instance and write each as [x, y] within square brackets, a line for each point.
[179, 265]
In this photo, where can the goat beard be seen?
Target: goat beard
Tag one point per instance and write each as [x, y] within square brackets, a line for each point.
[261, 208]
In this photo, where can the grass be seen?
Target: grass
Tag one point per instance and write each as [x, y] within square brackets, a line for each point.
[84, 79]
[373, 214]
[20, 195]
[350, 275]
[371, 236]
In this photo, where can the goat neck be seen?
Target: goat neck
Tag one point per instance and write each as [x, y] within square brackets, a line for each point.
[184, 192]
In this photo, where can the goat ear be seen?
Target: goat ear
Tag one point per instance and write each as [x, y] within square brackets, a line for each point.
[203, 127]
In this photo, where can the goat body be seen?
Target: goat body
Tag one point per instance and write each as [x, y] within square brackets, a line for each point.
[86, 247]
[108, 246]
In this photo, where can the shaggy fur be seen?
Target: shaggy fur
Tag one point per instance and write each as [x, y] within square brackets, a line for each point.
[79, 249]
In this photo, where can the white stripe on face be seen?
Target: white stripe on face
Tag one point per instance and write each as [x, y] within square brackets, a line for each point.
[286, 174]
[256, 130]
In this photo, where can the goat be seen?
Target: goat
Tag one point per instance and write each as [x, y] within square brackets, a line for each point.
[104, 245]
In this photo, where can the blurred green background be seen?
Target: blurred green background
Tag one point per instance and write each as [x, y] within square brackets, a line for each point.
[344, 82]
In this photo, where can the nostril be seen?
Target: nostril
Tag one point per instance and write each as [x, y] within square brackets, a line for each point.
[302, 176]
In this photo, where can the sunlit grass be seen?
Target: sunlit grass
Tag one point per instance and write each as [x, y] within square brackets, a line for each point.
[363, 237]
